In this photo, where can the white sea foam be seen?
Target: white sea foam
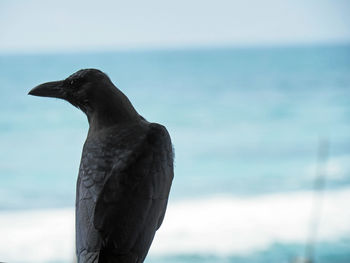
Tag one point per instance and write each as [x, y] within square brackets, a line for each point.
[217, 225]
[227, 225]
[37, 236]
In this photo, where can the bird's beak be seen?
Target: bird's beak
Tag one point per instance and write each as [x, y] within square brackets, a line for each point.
[54, 89]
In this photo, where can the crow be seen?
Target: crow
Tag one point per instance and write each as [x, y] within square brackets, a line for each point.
[125, 173]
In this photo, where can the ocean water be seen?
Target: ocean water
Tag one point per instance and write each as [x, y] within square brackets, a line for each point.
[245, 125]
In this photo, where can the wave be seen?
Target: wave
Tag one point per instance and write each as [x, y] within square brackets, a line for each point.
[228, 225]
[218, 225]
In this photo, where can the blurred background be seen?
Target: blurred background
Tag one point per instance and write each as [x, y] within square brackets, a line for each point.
[256, 97]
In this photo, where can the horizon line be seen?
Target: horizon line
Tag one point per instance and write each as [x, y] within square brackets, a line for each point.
[184, 47]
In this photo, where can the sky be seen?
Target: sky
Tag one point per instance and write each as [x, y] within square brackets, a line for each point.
[44, 25]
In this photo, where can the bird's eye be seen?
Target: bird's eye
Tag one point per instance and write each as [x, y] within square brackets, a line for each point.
[74, 84]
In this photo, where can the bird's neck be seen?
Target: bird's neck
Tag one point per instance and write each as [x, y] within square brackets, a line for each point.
[112, 112]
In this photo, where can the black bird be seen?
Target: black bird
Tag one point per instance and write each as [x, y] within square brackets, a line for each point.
[125, 173]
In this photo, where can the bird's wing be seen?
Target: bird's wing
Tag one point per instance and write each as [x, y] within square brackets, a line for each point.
[111, 150]
[132, 202]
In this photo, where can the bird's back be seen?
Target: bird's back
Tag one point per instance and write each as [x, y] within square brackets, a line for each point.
[122, 191]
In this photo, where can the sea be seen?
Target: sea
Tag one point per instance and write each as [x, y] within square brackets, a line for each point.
[247, 125]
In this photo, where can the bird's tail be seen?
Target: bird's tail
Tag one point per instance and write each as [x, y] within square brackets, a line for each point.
[107, 256]
[89, 257]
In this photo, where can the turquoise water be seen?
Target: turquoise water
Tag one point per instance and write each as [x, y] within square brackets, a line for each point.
[244, 122]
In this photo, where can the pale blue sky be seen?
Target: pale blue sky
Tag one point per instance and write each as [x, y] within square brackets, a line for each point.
[44, 25]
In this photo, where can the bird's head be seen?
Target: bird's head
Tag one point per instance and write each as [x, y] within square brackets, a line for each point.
[93, 92]
[81, 89]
